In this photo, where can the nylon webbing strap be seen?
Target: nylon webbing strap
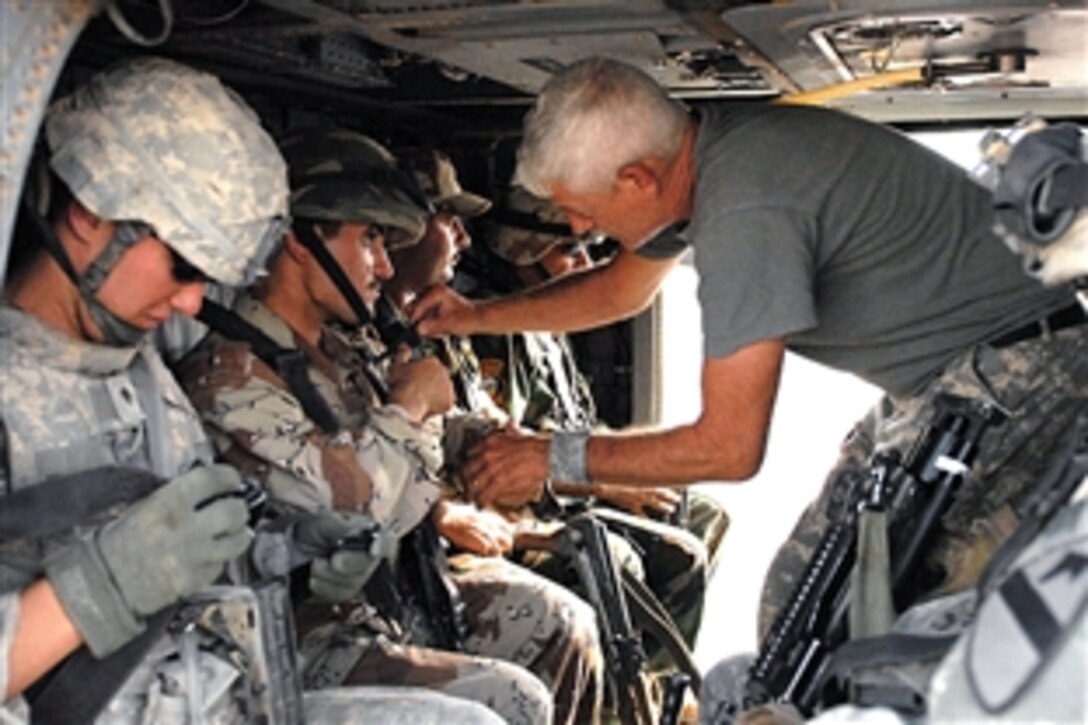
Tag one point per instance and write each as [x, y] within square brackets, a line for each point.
[291, 365]
[306, 234]
[889, 649]
[61, 502]
[48, 239]
[651, 615]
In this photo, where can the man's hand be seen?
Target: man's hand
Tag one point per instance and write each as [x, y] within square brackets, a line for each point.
[163, 549]
[422, 387]
[640, 500]
[441, 311]
[474, 530]
[507, 469]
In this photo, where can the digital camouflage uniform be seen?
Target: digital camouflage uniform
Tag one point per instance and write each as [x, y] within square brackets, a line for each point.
[70, 406]
[381, 464]
[1040, 383]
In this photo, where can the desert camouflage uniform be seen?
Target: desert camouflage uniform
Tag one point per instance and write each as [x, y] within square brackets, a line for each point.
[69, 406]
[1040, 383]
[380, 464]
[153, 142]
[534, 377]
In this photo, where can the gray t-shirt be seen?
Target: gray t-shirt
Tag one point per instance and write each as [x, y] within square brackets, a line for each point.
[865, 251]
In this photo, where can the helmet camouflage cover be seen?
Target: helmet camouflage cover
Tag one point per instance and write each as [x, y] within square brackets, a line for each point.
[436, 175]
[526, 228]
[341, 175]
[154, 141]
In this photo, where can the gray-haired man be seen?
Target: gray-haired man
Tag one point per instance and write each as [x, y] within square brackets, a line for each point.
[814, 232]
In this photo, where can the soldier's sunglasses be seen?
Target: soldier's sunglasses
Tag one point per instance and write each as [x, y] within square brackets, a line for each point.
[183, 271]
[373, 232]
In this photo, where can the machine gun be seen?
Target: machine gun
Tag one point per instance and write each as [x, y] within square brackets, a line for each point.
[792, 663]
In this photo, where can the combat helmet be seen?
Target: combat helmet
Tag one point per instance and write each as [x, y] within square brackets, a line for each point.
[526, 227]
[341, 175]
[436, 175]
[157, 142]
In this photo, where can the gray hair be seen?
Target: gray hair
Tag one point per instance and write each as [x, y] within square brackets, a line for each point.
[590, 120]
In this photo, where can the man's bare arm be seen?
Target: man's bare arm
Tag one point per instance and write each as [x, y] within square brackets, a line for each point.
[579, 301]
[726, 443]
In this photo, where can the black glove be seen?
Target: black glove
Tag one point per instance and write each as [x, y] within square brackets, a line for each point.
[164, 548]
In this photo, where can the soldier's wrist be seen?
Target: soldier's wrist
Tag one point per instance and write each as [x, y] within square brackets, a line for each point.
[567, 453]
[86, 589]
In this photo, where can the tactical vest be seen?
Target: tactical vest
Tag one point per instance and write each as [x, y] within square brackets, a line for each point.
[70, 407]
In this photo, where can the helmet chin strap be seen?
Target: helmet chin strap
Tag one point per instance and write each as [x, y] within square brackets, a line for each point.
[307, 234]
[115, 331]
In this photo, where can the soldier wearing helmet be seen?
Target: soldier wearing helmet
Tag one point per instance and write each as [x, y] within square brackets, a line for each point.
[574, 678]
[115, 519]
[356, 437]
[535, 377]
[531, 234]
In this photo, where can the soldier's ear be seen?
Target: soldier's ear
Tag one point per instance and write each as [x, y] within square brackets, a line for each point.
[86, 234]
[84, 223]
[295, 249]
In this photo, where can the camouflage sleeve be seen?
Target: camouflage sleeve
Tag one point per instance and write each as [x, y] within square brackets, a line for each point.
[392, 447]
[258, 425]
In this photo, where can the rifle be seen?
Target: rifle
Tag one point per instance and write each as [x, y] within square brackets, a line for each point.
[425, 566]
[424, 570]
[792, 663]
[583, 542]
